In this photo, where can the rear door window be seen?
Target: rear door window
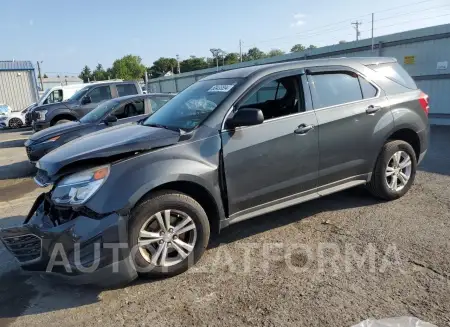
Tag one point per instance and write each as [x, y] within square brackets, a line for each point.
[130, 109]
[334, 88]
[126, 89]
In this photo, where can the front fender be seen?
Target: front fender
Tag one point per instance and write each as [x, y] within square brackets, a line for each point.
[57, 112]
[131, 179]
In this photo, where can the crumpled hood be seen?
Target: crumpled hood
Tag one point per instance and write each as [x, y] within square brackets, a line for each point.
[106, 143]
[56, 130]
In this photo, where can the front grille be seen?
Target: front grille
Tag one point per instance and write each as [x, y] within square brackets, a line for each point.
[24, 247]
[35, 115]
[28, 152]
[28, 118]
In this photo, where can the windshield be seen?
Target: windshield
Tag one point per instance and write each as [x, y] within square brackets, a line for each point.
[189, 108]
[79, 94]
[100, 111]
[45, 94]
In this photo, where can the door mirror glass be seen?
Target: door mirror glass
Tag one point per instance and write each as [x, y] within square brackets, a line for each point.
[87, 99]
[246, 117]
[110, 119]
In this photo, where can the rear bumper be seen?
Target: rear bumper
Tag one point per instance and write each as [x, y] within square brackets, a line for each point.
[424, 137]
[82, 250]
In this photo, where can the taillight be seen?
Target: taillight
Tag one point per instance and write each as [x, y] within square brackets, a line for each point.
[423, 100]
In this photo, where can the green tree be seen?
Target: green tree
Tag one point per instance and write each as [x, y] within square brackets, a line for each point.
[45, 76]
[162, 66]
[253, 54]
[85, 74]
[231, 58]
[275, 52]
[298, 48]
[99, 74]
[193, 63]
[312, 46]
[128, 68]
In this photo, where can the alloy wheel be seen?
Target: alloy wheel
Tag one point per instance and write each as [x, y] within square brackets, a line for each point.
[167, 238]
[15, 123]
[398, 171]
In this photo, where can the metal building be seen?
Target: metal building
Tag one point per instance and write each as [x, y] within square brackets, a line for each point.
[424, 53]
[49, 82]
[18, 88]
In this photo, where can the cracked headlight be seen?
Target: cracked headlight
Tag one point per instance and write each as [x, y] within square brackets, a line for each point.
[79, 187]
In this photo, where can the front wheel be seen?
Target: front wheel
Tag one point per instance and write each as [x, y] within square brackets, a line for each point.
[168, 234]
[394, 171]
[15, 123]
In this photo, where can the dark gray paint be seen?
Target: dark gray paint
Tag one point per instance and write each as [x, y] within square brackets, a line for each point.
[250, 170]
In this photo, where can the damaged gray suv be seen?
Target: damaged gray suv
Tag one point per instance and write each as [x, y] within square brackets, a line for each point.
[143, 198]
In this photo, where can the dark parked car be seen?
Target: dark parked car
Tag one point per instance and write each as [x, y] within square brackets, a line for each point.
[113, 112]
[233, 146]
[82, 102]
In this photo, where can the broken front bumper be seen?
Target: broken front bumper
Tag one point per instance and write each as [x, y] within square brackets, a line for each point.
[80, 250]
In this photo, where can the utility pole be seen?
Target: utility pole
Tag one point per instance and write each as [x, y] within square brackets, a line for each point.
[357, 24]
[215, 53]
[372, 29]
[40, 76]
[240, 49]
[178, 64]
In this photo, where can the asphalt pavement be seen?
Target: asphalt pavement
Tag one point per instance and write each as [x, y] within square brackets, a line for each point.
[334, 261]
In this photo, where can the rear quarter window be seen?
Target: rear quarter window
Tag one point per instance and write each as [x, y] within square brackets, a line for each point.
[396, 73]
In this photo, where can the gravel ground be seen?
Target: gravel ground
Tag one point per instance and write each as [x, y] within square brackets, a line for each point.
[302, 266]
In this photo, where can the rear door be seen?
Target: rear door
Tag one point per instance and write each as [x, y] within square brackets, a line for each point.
[277, 160]
[354, 118]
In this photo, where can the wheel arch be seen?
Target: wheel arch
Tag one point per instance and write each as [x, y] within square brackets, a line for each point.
[409, 136]
[194, 189]
[62, 116]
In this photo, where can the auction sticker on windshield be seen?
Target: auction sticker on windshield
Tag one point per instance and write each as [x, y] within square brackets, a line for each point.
[221, 88]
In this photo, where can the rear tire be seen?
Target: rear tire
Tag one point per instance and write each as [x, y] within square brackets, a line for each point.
[15, 123]
[394, 172]
[183, 212]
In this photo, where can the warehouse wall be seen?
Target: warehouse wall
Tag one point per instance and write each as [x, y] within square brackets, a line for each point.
[419, 52]
[17, 88]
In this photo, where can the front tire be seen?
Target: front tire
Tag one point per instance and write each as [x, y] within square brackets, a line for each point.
[168, 233]
[394, 172]
[15, 123]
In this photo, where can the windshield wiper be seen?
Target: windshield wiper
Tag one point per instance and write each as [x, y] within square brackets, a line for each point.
[171, 128]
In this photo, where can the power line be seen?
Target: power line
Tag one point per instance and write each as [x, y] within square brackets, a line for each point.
[407, 21]
[337, 23]
[412, 12]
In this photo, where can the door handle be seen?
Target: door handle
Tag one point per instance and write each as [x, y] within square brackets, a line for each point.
[303, 129]
[372, 109]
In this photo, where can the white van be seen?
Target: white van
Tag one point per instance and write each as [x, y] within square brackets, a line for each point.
[59, 93]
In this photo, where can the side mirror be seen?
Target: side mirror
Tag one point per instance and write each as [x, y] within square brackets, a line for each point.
[246, 117]
[110, 119]
[87, 99]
